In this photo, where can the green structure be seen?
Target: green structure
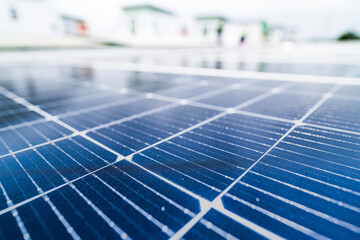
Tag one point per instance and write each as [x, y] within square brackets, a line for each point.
[212, 21]
[146, 7]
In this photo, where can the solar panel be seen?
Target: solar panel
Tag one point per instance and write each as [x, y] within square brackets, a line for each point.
[92, 153]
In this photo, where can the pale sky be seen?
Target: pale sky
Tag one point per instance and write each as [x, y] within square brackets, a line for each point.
[311, 18]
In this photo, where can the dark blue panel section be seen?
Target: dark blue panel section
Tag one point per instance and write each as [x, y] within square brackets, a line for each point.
[309, 180]
[7, 105]
[151, 189]
[349, 90]
[243, 207]
[3, 201]
[207, 159]
[18, 116]
[32, 82]
[23, 137]
[290, 106]
[9, 228]
[275, 206]
[338, 113]
[115, 202]
[95, 118]
[231, 98]
[131, 136]
[153, 86]
[50, 166]
[80, 215]
[334, 157]
[39, 219]
[43, 89]
[84, 102]
[314, 88]
[267, 83]
[191, 91]
[215, 225]
[218, 80]
[138, 81]
[299, 68]
[58, 92]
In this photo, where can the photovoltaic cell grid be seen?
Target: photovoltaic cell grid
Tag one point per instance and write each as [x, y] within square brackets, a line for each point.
[95, 154]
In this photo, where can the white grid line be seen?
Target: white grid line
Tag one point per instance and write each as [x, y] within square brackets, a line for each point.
[300, 122]
[202, 201]
[191, 101]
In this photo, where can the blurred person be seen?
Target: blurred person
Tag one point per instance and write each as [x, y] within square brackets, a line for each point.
[219, 31]
[265, 31]
[243, 38]
[133, 27]
[184, 31]
[205, 31]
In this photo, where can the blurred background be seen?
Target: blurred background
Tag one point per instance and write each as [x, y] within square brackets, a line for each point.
[175, 23]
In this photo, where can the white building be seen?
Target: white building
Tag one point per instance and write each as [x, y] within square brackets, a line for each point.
[207, 27]
[239, 33]
[28, 18]
[74, 26]
[149, 25]
[42, 21]
[100, 18]
[249, 33]
[148, 21]
[234, 33]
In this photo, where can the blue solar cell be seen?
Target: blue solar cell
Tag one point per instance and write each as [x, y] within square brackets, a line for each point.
[295, 190]
[349, 90]
[137, 81]
[267, 83]
[81, 103]
[289, 106]
[192, 91]
[151, 86]
[7, 105]
[19, 116]
[39, 220]
[206, 160]
[299, 68]
[116, 202]
[338, 113]
[315, 88]
[50, 166]
[9, 228]
[231, 98]
[61, 92]
[215, 225]
[80, 215]
[46, 88]
[131, 136]
[15, 139]
[90, 119]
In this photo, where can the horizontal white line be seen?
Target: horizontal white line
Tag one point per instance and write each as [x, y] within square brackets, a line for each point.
[211, 72]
